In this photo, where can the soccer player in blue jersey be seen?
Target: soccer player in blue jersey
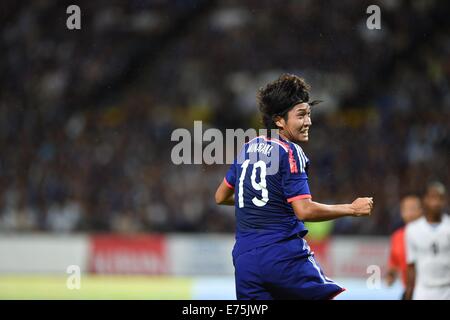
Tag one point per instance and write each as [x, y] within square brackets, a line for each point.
[268, 185]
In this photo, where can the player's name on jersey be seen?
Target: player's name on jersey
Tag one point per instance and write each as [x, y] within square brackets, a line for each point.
[260, 147]
[219, 149]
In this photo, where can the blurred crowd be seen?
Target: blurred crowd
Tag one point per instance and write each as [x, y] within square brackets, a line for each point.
[86, 116]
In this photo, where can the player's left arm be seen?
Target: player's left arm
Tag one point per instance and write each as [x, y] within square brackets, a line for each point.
[311, 211]
[296, 190]
[225, 194]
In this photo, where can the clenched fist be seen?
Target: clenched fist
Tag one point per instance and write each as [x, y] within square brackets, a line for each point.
[362, 206]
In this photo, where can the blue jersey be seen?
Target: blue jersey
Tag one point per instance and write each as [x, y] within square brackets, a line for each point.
[267, 176]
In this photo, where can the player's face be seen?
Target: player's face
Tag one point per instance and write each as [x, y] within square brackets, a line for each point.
[434, 200]
[411, 209]
[298, 122]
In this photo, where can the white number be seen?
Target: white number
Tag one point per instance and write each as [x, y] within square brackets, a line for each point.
[241, 183]
[259, 186]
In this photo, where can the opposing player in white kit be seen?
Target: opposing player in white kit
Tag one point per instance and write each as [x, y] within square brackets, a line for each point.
[428, 249]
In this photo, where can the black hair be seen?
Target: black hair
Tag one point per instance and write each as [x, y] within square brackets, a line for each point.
[280, 96]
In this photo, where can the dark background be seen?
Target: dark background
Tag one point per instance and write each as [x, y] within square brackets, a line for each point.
[86, 115]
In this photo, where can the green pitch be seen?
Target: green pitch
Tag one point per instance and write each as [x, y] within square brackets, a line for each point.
[95, 287]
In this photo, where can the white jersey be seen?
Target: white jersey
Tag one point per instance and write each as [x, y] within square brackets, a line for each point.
[428, 247]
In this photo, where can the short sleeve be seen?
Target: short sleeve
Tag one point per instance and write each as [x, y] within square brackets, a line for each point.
[411, 250]
[393, 263]
[294, 176]
[230, 177]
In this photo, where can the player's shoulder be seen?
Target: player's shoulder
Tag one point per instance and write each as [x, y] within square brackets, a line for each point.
[398, 234]
[297, 148]
[301, 155]
[416, 225]
[446, 219]
[292, 151]
[279, 144]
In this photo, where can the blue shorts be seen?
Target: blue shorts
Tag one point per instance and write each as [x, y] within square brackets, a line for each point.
[283, 270]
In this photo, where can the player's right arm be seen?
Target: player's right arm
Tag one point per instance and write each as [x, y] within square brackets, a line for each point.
[311, 211]
[410, 281]
[225, 192]
[391, 276]
[411, 257]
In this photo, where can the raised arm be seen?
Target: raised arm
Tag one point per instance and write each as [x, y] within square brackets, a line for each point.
[311, 211]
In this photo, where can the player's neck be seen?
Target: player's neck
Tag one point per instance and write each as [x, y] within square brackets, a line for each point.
[283, 136]
[432, 218]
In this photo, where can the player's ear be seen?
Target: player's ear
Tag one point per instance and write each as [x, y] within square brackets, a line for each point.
[279, 121]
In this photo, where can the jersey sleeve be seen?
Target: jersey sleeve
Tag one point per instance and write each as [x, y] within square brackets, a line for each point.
[393, 263]
[230, 177]
[294, 177]
[411, 250]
